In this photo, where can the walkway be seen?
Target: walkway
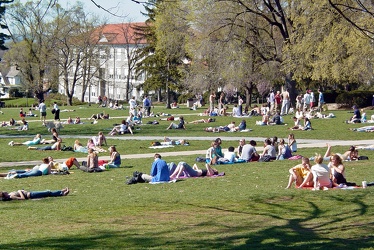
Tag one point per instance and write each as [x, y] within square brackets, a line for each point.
[301, 143]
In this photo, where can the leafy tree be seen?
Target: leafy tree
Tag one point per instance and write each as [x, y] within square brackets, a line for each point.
[3, 36]
[75, 50]
[326, 49]
[161, 58]
[33, 40]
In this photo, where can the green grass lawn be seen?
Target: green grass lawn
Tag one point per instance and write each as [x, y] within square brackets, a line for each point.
[248, 208]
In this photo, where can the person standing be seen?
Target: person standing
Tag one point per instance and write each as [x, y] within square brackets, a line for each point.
[240, 105]
[147, 106]
[312, 99]
[271, 101]
[132, 106]
[321, 100]
[43, 111]
[211, 102]
[306, 101]
[278, 100]
[221, 102]
[56, 111]
[285, 102]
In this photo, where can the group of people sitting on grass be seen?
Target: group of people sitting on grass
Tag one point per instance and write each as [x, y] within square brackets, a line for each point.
[49, 166]
[246, 152]
[320, 175]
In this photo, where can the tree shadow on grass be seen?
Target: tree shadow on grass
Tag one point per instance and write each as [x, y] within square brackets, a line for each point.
[275, 222]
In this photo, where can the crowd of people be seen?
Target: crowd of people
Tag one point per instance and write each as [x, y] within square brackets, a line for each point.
[318, 176]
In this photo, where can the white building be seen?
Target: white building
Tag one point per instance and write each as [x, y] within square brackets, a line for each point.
[116, 46]
[8, 79]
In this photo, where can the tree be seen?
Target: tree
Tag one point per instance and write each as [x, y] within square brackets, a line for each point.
[149, 62]
[33, 41]
[171, 32]
[241, 46]
[75, 51]
[161, 58]
[358, 13]
[326, 49]
[3, 36]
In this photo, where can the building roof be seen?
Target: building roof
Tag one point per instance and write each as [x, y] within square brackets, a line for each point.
[121, 33]
[13, 72]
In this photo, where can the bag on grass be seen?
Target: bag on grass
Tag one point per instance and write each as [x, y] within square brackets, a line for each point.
[362, 157]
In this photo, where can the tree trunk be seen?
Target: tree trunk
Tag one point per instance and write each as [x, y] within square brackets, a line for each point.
[291, 86]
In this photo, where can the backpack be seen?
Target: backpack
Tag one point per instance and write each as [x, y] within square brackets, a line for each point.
[264, 158]
[67, 148]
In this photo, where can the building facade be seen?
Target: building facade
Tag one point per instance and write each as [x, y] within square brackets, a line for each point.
[114, 74]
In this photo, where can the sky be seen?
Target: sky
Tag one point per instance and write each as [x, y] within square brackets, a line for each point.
[127, 9]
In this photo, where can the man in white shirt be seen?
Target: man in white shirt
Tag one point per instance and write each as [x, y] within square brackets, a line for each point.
[132, 106]
[43, 111]
[307, 99]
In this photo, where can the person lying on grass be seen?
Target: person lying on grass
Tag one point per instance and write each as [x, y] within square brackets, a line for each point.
[28, 195]
[349, 155]
[34, 141]
[39, 170]
[185, 170]
[55, 146]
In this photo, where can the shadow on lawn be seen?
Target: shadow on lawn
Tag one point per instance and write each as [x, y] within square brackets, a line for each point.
[263, 224]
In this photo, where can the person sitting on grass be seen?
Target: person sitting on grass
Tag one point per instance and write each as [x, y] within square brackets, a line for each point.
[115, 158]
[159, 173]
[307, 124]
[321, 174]
[92, 163]
[26, 195]
[180, 125]
[185, 170]
[91, 144]
[55, 146]
[100, 139]
[123, 128]
[284, 151]
[301, 175]
[54, 137]
[35, 141]
[276, 120]
[292, 142]
[269, 151]
[229, 156]
[337, 171]
[297, 124]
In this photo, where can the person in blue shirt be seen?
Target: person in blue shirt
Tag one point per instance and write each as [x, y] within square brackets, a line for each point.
[159, 171]
[321, 100]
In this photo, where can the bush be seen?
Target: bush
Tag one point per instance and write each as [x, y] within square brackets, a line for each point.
[358, 97]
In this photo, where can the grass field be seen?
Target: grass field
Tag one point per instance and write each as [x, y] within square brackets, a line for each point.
[248, 208]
